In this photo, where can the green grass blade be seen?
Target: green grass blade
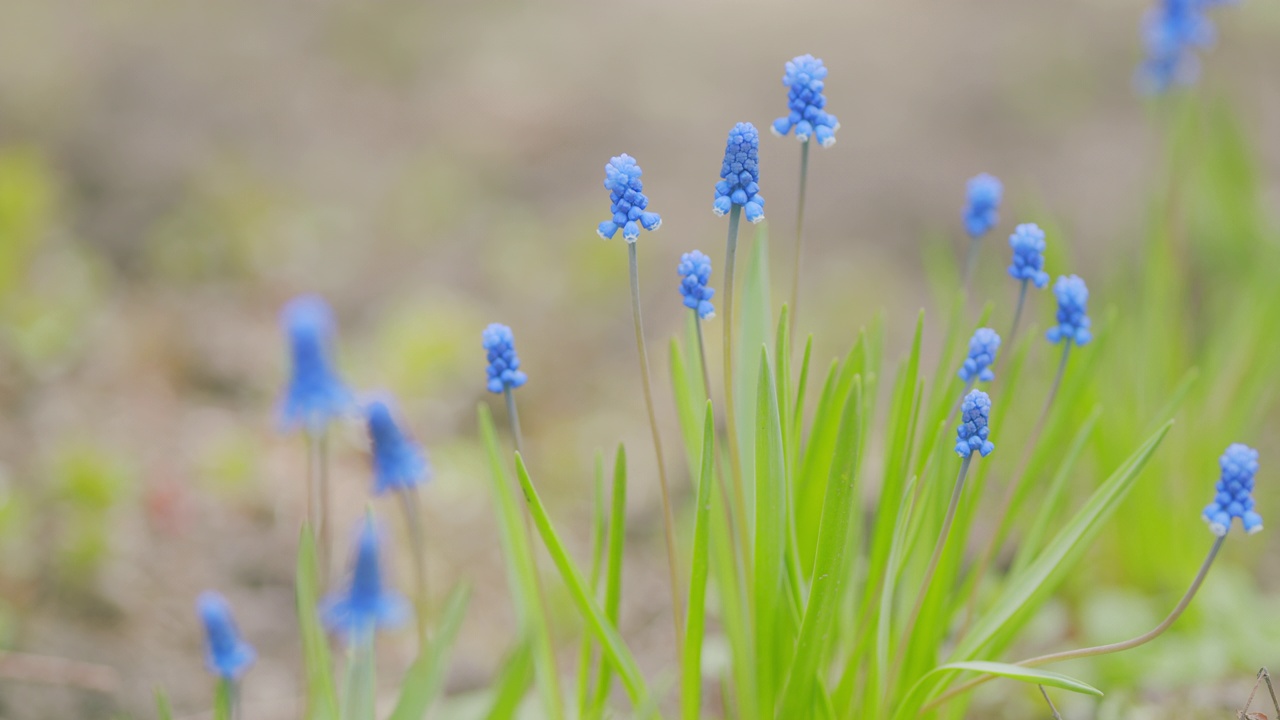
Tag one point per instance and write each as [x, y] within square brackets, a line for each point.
[755, 327]
[1013, 672]
[771, 539]
[322, 698]
[512, 683]
[599, 522]
[613, 566]
[606, 634]
[424, 679]
[691, 663]
[163, 710]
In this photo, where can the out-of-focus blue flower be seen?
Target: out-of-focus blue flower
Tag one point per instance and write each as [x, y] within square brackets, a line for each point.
[1172, 32]
[982, 209]
[504, 364]
[971, 436]
[740, 174]
[226, 655]
[627, 203]
[1234, 498]
[398, 462]
[314, 395]
[804, 80]
[983, 347]
[1027, 242]
[365, 605]
[695, 272]
[1073, 307]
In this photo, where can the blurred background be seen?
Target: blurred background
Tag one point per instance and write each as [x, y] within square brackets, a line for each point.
[172, 171]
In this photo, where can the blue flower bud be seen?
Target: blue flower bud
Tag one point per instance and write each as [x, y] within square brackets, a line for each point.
[982, 210]
[804, 80]
[398, 463]
[1172, 32]
[695, 272]
[314, 395]
[983, 347]
[740, 174]
[365, 604]
[1234, 496]
[1073, 318]
[226, 655]
[627, 204]
[504, 365]
[972, 434]
[1027, 242]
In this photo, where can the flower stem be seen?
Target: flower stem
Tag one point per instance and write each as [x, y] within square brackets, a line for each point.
[514, 416]
[795, 278]
[971, 262]
[358, 695]
[1052, 708]
[1100, 649]
[668, 518]
[730, 419]
[318, 496]
[226, 705]
[1017, 315]
[702, 354]
[409, 503]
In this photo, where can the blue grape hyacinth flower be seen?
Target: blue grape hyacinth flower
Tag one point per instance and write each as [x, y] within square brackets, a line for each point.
[983, 347]
[504, 364]
[1172, 32]
[1073, 318]
[975, 415]
[695, 272]
[982, 208]
[366, 604]
[1234, 497]
[1027, 242]
[804, 79]
[226, 654]
[398, 462]
[627, 202]
[740, 174]
[314, 395]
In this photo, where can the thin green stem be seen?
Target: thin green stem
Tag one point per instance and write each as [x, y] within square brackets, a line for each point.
[795, 278]
[1017, 315]
[358, 693]
[702, 354]
[409, 503]
[1100, 649]
[226, 702]
[514, 416]
[956, 492]
[318, 496]
[971, 262]
[668, 517]
[730, 415]
[1052, 708]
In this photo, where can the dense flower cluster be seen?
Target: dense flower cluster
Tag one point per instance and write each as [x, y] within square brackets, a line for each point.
[975, 414]
[740, 174]
[1234, 498]
[314, 395]
[627, 203]
[398, 463]
[1073, 318]
[1172, 32]
[1027, 242]
[226, 655]
[504, 365]
[804, 79]
[983, 347]
[982, 209]
[695, 272]
[365, 605]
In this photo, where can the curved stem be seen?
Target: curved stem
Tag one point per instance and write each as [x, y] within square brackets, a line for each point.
[730, 415]
[514, 416]
[668, 518]
[1100, 649]
[1017, 315]
[795, 278]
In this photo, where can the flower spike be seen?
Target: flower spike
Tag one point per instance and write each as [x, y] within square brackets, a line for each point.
[740, 174]
[982, 209]
[626, 201]
[1073, 318]
[226, 655]
[398, 462]
[1234, 498]
[983, 347]
[365, 605]
[315, 395]
[504, 364]
[975, 415]
[695, 272]
[804, 79]
[1027, 242]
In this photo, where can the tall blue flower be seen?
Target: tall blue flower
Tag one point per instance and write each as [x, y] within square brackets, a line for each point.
[1172, 32]
[695, 272]
[226, 655]
[804, 80]
[365, 605]
[398, 462]
[504, 365]
[740, 174]
[1234, 497]
[971, 436]
[983, 347]
[626, 201]
[982, 209]
[315, 395]
[1073, 318]
[1027, 242]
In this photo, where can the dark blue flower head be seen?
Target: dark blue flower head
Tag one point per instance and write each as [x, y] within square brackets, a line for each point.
[983, 347]
[1234, 498]
[365, 605]
[226, 655]
[740, 174]
[695, 272]
[982, 209]
[1073, 308]
[972, 434]
[1027, 242]
[398, 462]
[314, 395]
[626, 201]
[504, 365]
[1172, 32]
[804, 80]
